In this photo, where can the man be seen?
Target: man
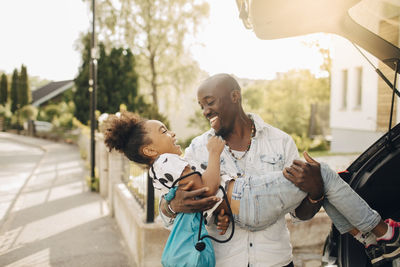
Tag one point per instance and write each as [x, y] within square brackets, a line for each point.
[252, 148]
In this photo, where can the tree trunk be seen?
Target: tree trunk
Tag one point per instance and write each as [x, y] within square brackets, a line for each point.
[153, 80]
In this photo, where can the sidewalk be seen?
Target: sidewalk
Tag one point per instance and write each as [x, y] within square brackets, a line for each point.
[48, 217]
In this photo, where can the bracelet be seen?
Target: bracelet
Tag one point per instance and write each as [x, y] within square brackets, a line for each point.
[312, 201]
[168, 210]
[171, 210]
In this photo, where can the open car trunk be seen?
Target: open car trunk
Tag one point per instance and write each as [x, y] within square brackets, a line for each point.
[375, 176]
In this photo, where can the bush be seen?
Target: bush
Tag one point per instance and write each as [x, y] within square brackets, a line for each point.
[66, 121]
[5, 111]
[319, 144]
[50, 112]
[304, 143]
[28, 112]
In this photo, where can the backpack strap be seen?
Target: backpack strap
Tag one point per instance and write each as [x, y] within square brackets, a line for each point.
[201, 245]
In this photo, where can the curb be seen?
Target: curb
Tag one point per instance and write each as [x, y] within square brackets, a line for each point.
[13, 137]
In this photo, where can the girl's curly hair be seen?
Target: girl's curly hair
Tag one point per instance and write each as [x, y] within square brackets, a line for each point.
[126, 134]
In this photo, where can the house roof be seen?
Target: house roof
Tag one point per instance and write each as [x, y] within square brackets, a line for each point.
[50, 91]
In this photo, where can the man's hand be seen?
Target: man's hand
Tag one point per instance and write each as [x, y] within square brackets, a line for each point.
[306, 176]
[222, 222]
[185, 201]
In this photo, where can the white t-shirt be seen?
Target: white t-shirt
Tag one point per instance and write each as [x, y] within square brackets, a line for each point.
[167, 168]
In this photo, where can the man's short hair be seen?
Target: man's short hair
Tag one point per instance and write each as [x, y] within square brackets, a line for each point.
[223, 79]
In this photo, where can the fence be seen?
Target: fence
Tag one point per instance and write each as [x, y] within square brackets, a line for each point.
[137, 180]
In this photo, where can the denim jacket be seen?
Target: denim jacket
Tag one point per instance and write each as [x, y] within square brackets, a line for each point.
[271, 150]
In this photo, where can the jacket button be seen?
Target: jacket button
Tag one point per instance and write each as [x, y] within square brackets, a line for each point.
[251, 244]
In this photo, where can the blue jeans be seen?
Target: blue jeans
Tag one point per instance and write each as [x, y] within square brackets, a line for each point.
[265, 199]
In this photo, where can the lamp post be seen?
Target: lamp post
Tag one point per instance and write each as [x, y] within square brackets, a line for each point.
[93, 100]
[18, 118]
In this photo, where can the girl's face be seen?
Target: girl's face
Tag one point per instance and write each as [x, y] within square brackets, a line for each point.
[162, 140]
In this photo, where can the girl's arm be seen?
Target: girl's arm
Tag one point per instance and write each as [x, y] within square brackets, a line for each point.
[211, 177]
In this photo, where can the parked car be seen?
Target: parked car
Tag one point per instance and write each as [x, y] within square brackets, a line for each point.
[375, 175]
[40, 126]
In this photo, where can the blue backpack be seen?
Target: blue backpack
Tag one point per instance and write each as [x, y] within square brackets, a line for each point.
[189, 244]
[181, 248]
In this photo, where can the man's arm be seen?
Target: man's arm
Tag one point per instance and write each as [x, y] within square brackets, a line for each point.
[188, 201]
[312, 185]
[307, 177]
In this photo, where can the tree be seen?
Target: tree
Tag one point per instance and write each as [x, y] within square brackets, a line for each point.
[28, 112]
[82, 95]
[117, 82]
[156, 31]
[285, 102]
[14, 91]
[24, 95]
[3, 89]
[37, 82]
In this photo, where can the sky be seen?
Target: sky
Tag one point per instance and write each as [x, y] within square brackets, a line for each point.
[42, 35]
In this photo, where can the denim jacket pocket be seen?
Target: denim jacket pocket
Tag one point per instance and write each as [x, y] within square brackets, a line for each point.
[272, 162]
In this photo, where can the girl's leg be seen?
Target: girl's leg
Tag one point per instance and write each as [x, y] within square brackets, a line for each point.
[258, 202]
[347, 202]
[358, 213]
[340, 222]
[345, 226]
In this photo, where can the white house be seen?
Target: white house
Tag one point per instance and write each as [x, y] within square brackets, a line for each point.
[360, 100]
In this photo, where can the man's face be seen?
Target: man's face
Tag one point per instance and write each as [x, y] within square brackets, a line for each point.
[218, 108]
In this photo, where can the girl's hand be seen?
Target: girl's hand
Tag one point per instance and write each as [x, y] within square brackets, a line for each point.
[215, 145]
[222, 222]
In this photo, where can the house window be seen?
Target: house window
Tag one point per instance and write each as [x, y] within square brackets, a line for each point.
[344, 88]
[359, 86]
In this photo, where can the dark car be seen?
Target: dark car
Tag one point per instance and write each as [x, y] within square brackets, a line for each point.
[375, 175]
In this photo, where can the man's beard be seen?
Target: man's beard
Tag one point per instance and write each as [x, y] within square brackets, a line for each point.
[224, 132]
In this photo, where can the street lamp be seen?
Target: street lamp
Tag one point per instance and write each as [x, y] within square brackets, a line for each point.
[18, 118]
[93, 100]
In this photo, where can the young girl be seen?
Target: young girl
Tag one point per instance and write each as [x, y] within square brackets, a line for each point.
[150, 142]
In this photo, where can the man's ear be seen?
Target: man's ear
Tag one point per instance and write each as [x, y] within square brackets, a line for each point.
[236, 96]
[149, 151]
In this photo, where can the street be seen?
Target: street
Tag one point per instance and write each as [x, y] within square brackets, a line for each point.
[48, 217]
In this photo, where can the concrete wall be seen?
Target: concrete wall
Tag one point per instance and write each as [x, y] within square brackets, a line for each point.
[103, 167]
[145, 241]
[308, 239]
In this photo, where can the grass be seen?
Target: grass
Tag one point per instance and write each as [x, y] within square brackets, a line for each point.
[327, 153]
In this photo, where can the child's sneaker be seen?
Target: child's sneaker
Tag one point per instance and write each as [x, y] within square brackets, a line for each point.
[391, 247]
[375, 254]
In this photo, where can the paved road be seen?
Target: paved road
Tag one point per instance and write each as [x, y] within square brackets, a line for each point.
[47, 215]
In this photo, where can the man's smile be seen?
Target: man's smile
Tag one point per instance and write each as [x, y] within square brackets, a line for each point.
[214, 121]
